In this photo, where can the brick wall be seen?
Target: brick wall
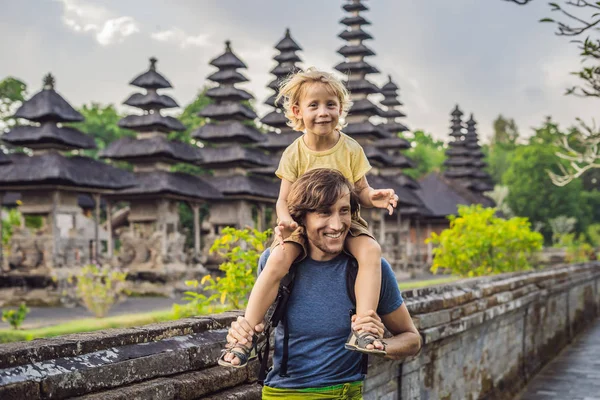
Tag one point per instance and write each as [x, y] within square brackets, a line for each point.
[484, 338]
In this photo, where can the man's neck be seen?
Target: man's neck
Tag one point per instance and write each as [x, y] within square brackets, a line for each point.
[319, 255]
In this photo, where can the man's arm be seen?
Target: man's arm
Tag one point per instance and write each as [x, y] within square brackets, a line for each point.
[406, 341]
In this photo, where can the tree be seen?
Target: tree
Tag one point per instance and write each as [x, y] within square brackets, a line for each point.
[580, 20]
[505, 131]
[101, 122]
[189, 116]
[427, 152]
[502, 147]
[12, 94]
[532, 194]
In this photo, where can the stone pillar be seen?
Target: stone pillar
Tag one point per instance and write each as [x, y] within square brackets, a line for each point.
[96, 227]
[429, 245]
[382, 228]
[418, 241]
[196, 210]
[109, 243]
[55, 231]
[1, 228]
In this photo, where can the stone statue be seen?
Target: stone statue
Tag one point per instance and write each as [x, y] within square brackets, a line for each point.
[25, 253]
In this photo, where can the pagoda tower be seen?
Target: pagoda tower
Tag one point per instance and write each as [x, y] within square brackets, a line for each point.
[154, 238]
[392, 112]
[50, 181]
[458, 160]
[227, 137]
[356, 68]
[483, 180]
[276, 143]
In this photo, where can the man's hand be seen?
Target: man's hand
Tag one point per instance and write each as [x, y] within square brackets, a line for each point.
[284, 229]
[241, 332]
[370, 323]
[384, 198]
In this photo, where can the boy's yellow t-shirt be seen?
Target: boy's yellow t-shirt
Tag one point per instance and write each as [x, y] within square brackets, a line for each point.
[347, 156]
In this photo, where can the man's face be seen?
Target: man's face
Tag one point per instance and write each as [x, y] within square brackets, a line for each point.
[326, 230]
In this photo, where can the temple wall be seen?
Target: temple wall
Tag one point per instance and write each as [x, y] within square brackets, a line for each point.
[483, 338]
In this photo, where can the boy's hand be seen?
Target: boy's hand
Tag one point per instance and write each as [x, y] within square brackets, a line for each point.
[284, 229]
[384, 198]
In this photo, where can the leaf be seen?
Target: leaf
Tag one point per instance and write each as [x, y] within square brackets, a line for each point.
[546, 20]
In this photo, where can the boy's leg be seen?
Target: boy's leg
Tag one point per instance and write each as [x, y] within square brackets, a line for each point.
[264, 291]
[368, 281]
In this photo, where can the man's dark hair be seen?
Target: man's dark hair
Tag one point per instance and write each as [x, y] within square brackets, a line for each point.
[318, 190]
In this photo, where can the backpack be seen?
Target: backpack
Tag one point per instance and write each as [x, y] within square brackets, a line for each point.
[277, 314]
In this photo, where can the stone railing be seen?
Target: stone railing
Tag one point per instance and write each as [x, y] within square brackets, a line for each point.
[483, 338]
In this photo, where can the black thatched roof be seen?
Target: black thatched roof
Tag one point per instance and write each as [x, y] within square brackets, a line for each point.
[391, 102]
[441, 196]
[408, 182]
[457, 150]
[279, 141]
[227, 111]
[287, 56]
[239, 185]
[151, 122]
[157, 147]
[268, 172]
[270, 101]
[354, 20]
[406, 197]
[355, 50]
[4, 158]
[276, 83]
[228, 132]
[233, 156]
[394, 127]
[392, 143]
[151, 79]
[357, 129]
[392, 113]
[274, 118]
[50, 136]
[355, 6]
[364, 107]
[356, 67]
[377, 156]
[460, 172]
[85, 201]
[55, 169]
[228, 59]
[150, 101]
[458, 161]
[361, 86]
[227, 76]
[390, 86]
[228, 93]
[171, 183]
[284, 70]
[48, 106]
[287, 43]
[355, 34]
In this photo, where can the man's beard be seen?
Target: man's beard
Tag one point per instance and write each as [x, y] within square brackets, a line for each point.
[321, 244]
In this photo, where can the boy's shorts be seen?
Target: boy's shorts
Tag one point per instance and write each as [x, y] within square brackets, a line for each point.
[358, 226]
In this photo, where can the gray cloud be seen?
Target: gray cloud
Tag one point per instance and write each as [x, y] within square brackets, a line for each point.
[489, 56]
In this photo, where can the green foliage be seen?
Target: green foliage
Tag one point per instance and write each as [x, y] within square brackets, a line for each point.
[99, 288]
[479, 243]
[12, 219]
[34, 221]
[532, 194]
[593, 234]
[560, 226]
[15, 317]
[241, 249]
[505, 131]
[427, 152]
[12, 94]
[101, 122]
[189, 117]
[577, 249]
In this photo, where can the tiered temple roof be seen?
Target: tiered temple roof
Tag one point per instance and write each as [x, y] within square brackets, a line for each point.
[151, 152]
[483, 180]
[392, 113]
[229, 130]
[356, 68]
[47, 167]
[458, 159]
[277, 142]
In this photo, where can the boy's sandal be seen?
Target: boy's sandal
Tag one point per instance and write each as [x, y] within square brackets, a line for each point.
[243, 353]
[358, 341]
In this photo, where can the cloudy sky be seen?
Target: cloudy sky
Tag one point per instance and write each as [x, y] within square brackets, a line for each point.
[489, 56]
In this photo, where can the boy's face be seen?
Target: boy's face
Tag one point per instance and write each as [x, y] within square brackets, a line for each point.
[326, 230]
[319, 109]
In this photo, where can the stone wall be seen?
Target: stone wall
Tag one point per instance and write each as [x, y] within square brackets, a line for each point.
[484, 338]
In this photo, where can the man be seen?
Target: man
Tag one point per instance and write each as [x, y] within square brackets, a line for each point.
[317, 313]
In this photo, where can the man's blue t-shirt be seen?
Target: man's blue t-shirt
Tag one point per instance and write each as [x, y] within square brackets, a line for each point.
[319, 324]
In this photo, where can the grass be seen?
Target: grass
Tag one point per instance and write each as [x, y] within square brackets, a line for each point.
[428, 282]
[86, 325]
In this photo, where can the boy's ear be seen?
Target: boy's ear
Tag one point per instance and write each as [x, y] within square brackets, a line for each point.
[296, 111]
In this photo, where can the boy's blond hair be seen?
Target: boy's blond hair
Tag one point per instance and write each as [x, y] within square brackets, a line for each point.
[294, 87]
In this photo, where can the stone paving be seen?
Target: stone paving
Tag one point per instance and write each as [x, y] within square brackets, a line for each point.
[573, 375]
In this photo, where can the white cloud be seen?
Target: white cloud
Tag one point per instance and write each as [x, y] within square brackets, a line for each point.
[178, 36]
[85, 17]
